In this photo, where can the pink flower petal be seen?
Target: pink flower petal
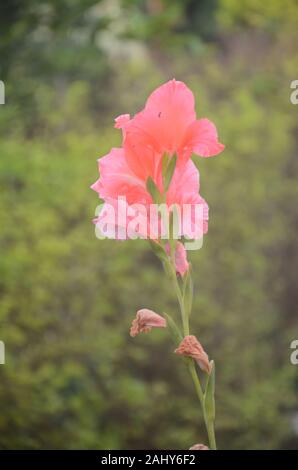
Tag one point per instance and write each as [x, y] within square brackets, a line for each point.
[202, 138]
[184, 192]
[142, 157]
[168, 112]
[116, 179]
[116, 220]
[121, 121]
[161, 126]
[185, 184]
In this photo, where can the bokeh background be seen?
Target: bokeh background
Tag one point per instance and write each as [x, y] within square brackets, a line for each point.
[73, 377]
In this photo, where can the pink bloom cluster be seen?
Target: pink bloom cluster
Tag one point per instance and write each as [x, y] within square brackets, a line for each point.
[167, 125]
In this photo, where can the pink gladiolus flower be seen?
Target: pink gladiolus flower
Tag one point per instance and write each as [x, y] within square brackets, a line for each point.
[199, 447]
[117, 179]
[124, 171]
[181, 263]
[191, 347]
[150, 189]
[167, 124]
[146, 320]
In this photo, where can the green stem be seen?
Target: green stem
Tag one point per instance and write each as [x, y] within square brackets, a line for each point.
[191, 365]
[211, 436]
[198, 388]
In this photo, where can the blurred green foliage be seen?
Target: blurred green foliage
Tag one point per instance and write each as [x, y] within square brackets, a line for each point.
[73, 377]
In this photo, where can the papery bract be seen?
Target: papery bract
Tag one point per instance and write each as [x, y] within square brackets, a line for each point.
[199, 447]
[191, 347]
[146, 320]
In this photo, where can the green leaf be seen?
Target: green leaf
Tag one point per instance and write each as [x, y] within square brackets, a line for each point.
[153, 190]
[169, 172]
[164, 164]
[167, 268]
[158, 250]
[209, 401]
[174, 330]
